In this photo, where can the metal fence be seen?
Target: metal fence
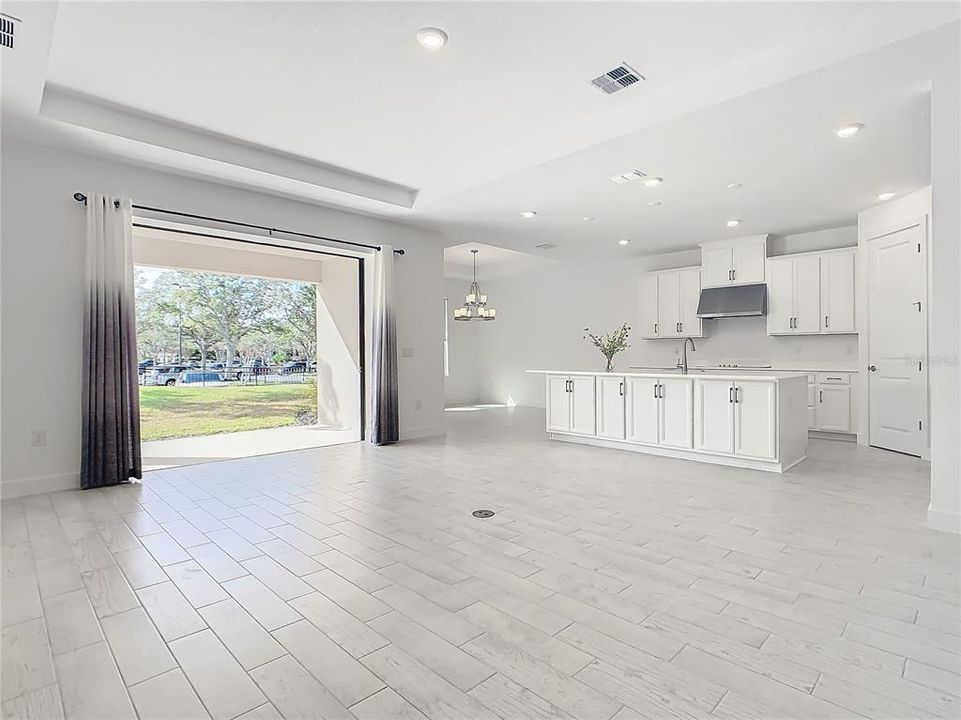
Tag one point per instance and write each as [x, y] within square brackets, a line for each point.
[216, 375]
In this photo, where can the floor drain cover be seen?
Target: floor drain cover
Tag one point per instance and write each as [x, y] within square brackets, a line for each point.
[483, 513]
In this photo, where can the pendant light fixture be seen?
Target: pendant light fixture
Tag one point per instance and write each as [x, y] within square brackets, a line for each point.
[475, 303]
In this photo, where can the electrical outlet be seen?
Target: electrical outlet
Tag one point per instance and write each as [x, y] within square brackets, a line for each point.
[38, 438]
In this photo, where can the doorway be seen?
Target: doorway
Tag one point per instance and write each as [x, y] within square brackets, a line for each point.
[246, 348]
[898, 339]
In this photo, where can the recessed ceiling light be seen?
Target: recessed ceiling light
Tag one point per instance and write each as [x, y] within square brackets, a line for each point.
[734, 186]
[528, 213]
[654, 203]
[733, 223]
[623, 242]
[588, 218]
[432, 38]
[849, 130]
[653, 181]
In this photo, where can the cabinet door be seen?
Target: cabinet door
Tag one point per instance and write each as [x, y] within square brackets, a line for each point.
[676, 413]
[648, 299]
[716, 266]
[837, 293]
[780, 296]
[748, 263]
[689, 282]
[755, 419]
[807, 294]
[714, 416]
[668, 304]
[610, 407]
[642, 406]
[582, 404]
[832, 409]
[558, 403]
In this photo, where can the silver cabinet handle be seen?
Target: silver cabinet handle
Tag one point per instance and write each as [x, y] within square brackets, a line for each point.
[620, 389]
[821, 396]
[655, 389]
[734, 274]
[737, 394]
[655, 328]
[827, 321]
[730, 394]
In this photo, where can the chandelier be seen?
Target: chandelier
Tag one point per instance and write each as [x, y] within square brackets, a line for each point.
[475, 303]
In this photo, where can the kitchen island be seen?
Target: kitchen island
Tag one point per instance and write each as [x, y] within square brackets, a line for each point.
[754, 421]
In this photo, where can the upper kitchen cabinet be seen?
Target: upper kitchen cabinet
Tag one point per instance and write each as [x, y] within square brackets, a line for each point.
[811, 293]
[733, 262]
[669, 303]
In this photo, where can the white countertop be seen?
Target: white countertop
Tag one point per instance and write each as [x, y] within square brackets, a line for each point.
[674, 372]
[799, 367]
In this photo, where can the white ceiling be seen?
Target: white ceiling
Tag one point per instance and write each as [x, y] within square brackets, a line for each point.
[336, 103]
[492, 261]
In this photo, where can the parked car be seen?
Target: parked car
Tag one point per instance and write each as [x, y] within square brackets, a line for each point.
[293, 366]
[196, 377]
[165, 374]
[144, 365]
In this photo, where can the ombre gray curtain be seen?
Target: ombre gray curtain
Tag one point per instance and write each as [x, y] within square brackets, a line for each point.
[111, 392]
[384, 428]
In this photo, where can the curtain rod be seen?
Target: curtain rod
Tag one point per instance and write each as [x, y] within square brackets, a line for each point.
[80, 197]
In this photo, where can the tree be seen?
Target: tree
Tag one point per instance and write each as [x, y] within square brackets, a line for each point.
[297, 304]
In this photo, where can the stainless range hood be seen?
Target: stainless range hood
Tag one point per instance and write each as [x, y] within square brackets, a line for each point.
[733, 301]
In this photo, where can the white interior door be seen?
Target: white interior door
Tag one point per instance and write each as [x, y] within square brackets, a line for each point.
[641, 410]
[668, 304]
[716, 266]
[676, 412]
[582, 404]
[648, 299]
[714, 415]
[837, 293]
[610, 406]
[755, 419]
[807, 294]
[558, 403]
[898, 341]
[690, 294]
[780, 296]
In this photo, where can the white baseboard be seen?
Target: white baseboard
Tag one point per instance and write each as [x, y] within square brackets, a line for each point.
[21, 487]
[422, 431]
[944, 520]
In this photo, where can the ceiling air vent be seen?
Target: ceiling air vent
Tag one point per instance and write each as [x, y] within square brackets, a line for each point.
[7, 25]
[617, 79]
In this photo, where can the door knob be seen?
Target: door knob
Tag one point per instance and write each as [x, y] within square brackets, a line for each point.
[873, 368]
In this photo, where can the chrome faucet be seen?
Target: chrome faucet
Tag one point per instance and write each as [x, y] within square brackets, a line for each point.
[684, 353]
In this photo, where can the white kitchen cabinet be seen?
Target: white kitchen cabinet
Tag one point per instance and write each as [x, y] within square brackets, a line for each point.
[811, 293]
[736, 417]
[570, 404]
[660, 411]
[714, 416]
[676, 413]
[755, 419]
[832, 409]
[642, 409]
[582, 404]
[669, 301]
[837, 292]
[610, 406]
[793, 295]
[648, 299]
[733, 262]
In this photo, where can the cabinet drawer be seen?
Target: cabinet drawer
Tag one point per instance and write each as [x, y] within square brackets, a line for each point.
[834, 378]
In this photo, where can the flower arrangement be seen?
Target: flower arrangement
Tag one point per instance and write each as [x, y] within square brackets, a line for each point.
[611, 343]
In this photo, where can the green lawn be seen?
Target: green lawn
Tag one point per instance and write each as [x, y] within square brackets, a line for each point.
[176, 412]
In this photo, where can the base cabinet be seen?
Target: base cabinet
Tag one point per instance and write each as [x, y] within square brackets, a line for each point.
[570, 404]
[832, 408]
[610, 407]
[736, 417]
[660, 411]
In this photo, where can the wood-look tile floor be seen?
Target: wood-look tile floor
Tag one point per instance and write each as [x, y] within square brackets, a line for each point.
[353, 582]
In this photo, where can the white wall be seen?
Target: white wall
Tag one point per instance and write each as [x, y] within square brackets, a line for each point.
[462, 385]
[541, 318]
[42, 291]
